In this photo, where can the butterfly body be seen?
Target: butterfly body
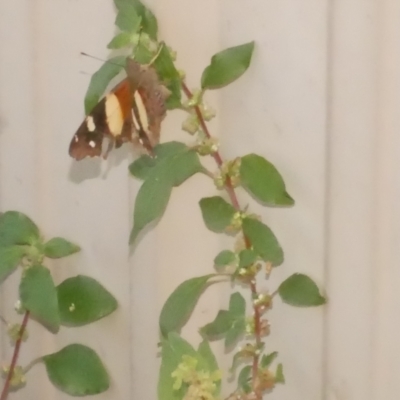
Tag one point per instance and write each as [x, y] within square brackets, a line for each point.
[131, 112]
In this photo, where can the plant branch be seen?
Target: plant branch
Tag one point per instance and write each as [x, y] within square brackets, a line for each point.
[6, 388]
[253, 287]
[216, 155]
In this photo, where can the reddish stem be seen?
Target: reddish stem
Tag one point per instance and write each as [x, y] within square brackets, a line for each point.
[217, 156]
[6, 388]
[232, 195]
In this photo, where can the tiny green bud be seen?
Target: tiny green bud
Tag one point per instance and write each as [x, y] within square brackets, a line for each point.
[18, 378]
[196, 98]
[172, 53]
[263, 300]
[18, 307]
[13, 332]
[207, 146]
[207, 112]
[182, 74]
[191, 124]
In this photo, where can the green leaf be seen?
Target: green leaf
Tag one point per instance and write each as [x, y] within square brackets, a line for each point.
[180, 304]
[227, 66]
[237, 309]
[267, 360]
[153, 196]
[208, 356]
[301, 291]
[10, 257]
[151, 202]
[173, 348]
[101, 79]
[123, 39]
[262, 180]
[149, 21]
[83, 300]
[229, 324]
[219, 327]
[244, 379]
[263, 241]
[279, 377]
[225, 257]
[237, 305]
[142, 166]
[247, 257]
[217, 213]
[142, 54]
[177, 168]
[17, 228]
[165, 67]
[59, 247]
[128, 20]
[235, 333]
[77, 370]
[173, 101]
[39, 296]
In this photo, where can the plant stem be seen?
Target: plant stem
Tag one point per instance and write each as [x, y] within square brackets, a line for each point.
[217, 157]
[6, 388]
[253, 286]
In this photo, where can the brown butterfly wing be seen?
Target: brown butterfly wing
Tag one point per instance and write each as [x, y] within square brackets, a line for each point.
[144, 79]
[88, 139]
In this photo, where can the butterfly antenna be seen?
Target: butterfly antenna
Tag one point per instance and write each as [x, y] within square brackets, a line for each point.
[99, 59]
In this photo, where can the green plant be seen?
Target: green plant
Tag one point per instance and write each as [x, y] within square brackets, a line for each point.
[76, 369]
[186, 372]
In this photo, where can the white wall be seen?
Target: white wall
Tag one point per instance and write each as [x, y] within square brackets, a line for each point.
[321, 100]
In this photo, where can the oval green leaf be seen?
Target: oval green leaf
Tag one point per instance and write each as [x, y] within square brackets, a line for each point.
[244, 379]
[263, 181]
[39, 296]
[59, 247]
[263, 241]
[180, 304]
[101, 79]
[206, 353]
[173, 348]
[77, 370]
[142, 166]
[219, 327]
[177, 168]
[154, 194]
[169, 75]
[217, 213]
[17, 228]
[247, 257]
[10, 257]
[225, 257]
[128, 20]
[301, 291]
[123, 39]
[151, 202]
[83, 300]
[267, 359]
[227, 66]
[279, 376]
[149, 21]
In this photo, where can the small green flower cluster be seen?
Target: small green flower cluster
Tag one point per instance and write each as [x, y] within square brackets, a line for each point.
[200, 384]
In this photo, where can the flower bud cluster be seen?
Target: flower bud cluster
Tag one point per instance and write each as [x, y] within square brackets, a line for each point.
[200, 384]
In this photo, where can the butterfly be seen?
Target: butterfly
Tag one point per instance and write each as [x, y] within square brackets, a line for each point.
[131, 112]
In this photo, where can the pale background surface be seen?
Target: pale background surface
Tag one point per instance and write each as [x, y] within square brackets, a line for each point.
[321, 101]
